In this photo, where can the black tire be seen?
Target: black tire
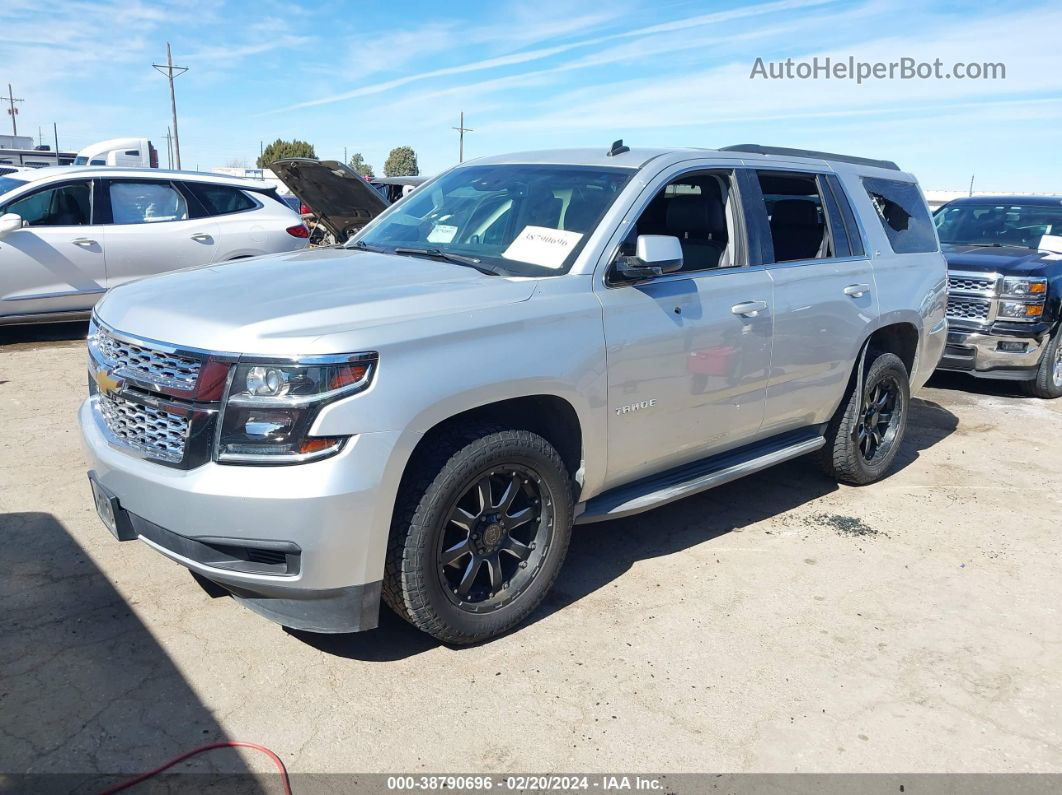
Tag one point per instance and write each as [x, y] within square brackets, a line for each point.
[859, 447]
[1048, 381]
[444, 599]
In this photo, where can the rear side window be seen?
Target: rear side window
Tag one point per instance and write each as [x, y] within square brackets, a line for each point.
[146, 203]
[796, 214]
[855, 239]
[221, 199]
[903, 215]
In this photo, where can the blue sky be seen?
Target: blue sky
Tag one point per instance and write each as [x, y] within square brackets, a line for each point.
[540, 73]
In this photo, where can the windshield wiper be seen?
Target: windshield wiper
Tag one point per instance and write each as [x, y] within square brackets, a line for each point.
[458, 259]
[363, 246]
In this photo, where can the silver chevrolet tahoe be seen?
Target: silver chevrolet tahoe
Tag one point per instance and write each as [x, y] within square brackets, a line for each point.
[524, 343]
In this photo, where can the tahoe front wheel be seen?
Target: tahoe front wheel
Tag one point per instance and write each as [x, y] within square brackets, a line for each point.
[480, 532]
[865, 434]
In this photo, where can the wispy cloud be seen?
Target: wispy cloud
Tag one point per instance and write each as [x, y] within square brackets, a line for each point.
[542, 53]
[539, 73]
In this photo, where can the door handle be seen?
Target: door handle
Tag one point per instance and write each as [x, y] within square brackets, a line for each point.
[201, 237]
[749, 308]
[856, 290]
[83, 241]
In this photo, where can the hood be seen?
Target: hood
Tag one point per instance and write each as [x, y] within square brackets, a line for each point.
[337, 194]
[289, 304]
[1012, 260]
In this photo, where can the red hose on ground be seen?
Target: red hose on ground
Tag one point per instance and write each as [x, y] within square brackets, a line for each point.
[202, 749]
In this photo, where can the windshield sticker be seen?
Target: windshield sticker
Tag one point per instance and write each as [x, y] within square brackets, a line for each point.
[543, 246]
[1052, 243]
[442, 233]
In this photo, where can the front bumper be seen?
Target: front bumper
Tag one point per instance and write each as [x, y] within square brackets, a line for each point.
[303, 545]
[987, 355]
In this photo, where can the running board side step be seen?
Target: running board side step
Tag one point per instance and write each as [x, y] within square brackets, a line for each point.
[657, 490]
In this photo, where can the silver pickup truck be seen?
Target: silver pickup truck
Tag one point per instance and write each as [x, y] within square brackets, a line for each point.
[524, 343]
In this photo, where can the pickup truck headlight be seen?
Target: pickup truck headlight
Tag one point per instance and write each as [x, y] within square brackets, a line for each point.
[270, 407]
[1025, 287]
[1020, 310]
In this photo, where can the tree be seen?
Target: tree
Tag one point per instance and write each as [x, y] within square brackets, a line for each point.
[402, 162]
[357, 162]
[280, 149]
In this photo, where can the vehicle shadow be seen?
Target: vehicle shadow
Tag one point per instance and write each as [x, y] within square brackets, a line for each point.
[394, 639]
[603, 552]
[960, 382]
[88, 697]
[726, 509]
[32, 335]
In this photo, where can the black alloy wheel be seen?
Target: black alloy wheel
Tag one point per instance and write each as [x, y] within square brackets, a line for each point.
[881, 416]
[495, 537]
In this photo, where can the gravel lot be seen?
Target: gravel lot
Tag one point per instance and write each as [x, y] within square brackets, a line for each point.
[780, 623]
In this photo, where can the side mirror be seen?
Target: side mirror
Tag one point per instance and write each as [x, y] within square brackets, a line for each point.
[657, 255]
[9, 223]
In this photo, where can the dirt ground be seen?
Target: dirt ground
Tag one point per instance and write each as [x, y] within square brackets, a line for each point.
[781, 623]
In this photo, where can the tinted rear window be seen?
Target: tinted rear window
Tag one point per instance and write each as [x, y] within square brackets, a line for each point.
[903, 215]
[221, 199]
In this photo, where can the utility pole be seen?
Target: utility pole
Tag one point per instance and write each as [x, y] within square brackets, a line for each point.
[169, 149]
[461, 130]
[12, 111]
[171, 71]
[55, 132]
[971, 184]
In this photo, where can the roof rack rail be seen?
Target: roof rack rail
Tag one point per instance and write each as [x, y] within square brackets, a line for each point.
[786, 152]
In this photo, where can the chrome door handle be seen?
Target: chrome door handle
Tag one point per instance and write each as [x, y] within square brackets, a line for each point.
[856, 290]
[201, 237]
[749, 308]
[83, 241]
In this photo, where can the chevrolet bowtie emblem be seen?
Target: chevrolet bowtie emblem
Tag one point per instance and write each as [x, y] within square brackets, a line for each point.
[105, 383]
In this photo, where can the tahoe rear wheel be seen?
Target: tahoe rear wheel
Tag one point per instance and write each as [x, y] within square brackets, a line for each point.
[1048, 381]
[480, 532]
[865, 434]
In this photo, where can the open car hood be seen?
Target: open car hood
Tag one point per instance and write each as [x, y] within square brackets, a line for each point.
[337, 194]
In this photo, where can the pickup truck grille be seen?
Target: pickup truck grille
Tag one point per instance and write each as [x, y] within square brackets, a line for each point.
[973, 296]
[962, 308]
[146, 364]
[154, 432]
[975, 284]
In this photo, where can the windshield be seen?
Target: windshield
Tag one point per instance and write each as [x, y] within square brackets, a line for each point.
[523, 220]
[10, 183]
[80, 160]
[1005, 224]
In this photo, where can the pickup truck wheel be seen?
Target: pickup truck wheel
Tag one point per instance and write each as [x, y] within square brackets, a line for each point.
[480, 533]
[1048, 381]
[865, 434]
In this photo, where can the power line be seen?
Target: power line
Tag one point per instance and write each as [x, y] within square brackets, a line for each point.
[461, 130]
[171, 71]
[12, 111]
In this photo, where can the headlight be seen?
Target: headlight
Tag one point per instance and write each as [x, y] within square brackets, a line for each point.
[270, 407]
[1019, 310]
[1033, 288]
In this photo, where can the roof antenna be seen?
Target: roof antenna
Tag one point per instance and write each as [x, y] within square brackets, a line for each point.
[617, 148]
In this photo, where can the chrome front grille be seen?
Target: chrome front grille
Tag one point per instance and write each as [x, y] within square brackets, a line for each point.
[127, 360]
[154, 432]
[975, 284]
[966, 308]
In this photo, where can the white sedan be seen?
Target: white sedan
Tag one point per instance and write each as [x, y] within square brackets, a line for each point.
[68, 234]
